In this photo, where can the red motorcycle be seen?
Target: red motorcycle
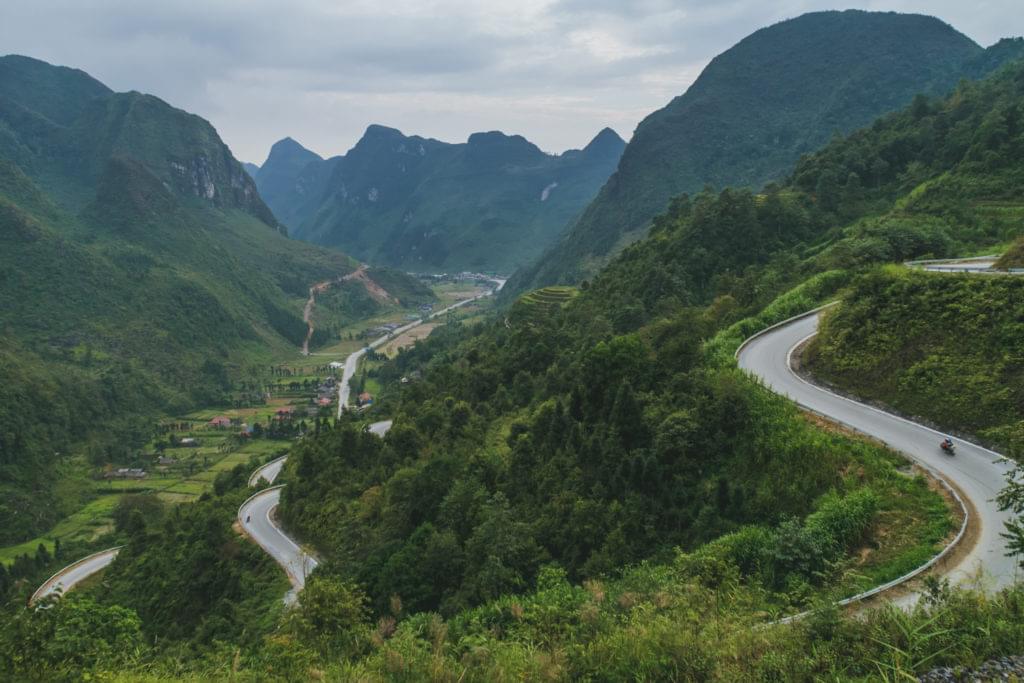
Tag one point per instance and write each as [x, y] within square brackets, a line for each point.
[948, 446]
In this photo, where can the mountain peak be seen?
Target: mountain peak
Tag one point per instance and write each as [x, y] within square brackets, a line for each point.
[494, 147]
[776, 94]
[376, 131]
[288, 149]
[59, 93]
[606, 142]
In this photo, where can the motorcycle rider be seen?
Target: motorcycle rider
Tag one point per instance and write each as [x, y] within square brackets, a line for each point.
[947, 444]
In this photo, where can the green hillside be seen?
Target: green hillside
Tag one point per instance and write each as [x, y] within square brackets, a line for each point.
[541, 304]
[782, 92]
[492, 203]
[141, 273]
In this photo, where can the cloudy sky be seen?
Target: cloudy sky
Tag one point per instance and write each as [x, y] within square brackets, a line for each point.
[555, 71]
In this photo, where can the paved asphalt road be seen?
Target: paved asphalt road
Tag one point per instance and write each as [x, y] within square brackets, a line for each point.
[978, 472]
[256, 518]
[67, 578]
[963, 266]
[352, 362]
[268, 471]
[381, 428]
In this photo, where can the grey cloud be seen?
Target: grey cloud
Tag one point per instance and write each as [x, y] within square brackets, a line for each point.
[555, 71]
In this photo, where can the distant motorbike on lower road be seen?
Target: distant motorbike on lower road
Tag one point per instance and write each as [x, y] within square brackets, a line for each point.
[948, 447]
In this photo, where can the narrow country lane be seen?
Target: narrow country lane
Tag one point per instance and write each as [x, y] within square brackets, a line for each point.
[307, 310]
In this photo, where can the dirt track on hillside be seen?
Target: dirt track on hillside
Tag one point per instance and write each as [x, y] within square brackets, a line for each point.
[378, 293]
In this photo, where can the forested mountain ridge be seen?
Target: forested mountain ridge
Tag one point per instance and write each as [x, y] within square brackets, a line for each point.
[936, 179]
[141, 272]
[778, 94]
[491, 203]
[63, 129]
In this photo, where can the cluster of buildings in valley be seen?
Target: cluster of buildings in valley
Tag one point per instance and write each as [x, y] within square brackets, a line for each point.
[464, 276]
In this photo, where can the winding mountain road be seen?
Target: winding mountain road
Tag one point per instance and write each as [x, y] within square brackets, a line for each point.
[978, 473]
[256, 517]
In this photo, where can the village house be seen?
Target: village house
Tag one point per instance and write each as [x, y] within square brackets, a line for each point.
[365, 398]
[220, 422]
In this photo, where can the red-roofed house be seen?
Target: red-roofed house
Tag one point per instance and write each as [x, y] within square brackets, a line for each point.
[220, 422]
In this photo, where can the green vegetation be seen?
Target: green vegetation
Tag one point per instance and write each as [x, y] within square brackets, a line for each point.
[949, 349]
[492, 203]
[541, 304]
[1012, 257]
[756, 109]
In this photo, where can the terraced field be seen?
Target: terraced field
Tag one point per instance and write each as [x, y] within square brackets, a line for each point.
[540, 304]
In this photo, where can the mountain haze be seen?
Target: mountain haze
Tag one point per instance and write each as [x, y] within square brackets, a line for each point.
[782, 92]
[491, 203]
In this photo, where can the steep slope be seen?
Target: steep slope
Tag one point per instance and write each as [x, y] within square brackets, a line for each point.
[779, 93]
[491, 203]
[140, 273]
[252, 169]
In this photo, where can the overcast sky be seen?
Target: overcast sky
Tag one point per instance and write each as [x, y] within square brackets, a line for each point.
[555, 71]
